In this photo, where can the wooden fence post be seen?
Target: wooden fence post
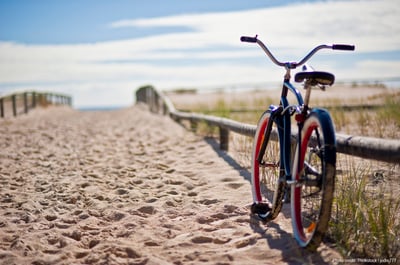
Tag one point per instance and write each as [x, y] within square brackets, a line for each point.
[148, 97]
[26, 102]
[33, 100]
[14, 104]
[156, 102]
[193, 125]
[223, 138]
[2, 107]
[165, 108]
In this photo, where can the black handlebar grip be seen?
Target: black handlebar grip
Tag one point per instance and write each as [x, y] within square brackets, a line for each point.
[344, 47]
[248, 39]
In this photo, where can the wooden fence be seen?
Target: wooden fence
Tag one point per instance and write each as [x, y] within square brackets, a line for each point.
[21, 102]
[365, 147]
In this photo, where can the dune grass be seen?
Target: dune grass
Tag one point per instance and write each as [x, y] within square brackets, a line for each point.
[365, 219]
[366, 209]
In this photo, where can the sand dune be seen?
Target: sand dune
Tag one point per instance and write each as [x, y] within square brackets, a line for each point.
[129, 187]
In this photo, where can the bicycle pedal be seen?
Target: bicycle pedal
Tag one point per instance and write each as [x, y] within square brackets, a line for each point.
[262, 210]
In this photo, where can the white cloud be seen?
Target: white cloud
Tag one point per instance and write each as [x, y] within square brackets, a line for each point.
[368, 23]
[212, 49]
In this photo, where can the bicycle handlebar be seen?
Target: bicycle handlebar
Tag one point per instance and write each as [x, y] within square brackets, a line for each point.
[343, 47]
[248, 39]
[293, 65]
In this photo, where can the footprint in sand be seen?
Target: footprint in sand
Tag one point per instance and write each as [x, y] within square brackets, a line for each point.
[192, 194]
[93, 243]
[51, 217]
[208, 201]
[173, 182]
[245, 242]
[202, 239]
[81, 254]
[151, 243]
[147, 210]
[115, 216]
[218, 239]
[121, 191]
[75, 235]
[234, 185]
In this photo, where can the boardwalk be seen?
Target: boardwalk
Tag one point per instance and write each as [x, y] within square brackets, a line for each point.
[128, 187]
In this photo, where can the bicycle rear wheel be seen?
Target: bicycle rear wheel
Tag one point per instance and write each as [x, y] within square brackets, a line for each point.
[267, 173]
[312, 193]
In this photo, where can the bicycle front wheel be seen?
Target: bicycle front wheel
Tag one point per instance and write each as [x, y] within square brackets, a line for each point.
[313, 188]
[267, 173]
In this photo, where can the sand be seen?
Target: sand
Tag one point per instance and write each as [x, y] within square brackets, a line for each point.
[129, 187]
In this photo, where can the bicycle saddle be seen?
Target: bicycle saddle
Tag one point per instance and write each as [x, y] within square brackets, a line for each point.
[315, 77]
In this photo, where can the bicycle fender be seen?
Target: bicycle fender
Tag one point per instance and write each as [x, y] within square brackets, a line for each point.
[327, 126]
[275, 109]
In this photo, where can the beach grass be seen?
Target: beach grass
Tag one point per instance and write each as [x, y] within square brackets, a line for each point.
[366, 209]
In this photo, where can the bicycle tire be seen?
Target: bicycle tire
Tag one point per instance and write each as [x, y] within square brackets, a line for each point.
[313, 191]
[266, 181]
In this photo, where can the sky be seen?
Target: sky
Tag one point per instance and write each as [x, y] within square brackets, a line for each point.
[101, 51]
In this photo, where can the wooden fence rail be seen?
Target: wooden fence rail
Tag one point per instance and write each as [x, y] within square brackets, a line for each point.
[22, 102]
[365, 147]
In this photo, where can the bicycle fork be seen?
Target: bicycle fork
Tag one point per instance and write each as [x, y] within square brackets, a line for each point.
[275, 111]
[284, 137]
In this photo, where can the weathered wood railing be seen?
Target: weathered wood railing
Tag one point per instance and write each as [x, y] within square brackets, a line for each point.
[22, 102]
[365, 147]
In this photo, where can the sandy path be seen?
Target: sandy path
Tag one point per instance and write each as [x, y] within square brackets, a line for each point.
[128, 187]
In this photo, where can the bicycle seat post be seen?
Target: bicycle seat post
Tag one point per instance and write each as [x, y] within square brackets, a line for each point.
[307, 87]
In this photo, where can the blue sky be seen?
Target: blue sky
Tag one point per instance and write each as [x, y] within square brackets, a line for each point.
[101, 51]
[76, 21]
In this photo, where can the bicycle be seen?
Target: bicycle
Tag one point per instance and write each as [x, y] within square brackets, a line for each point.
[304, 163]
